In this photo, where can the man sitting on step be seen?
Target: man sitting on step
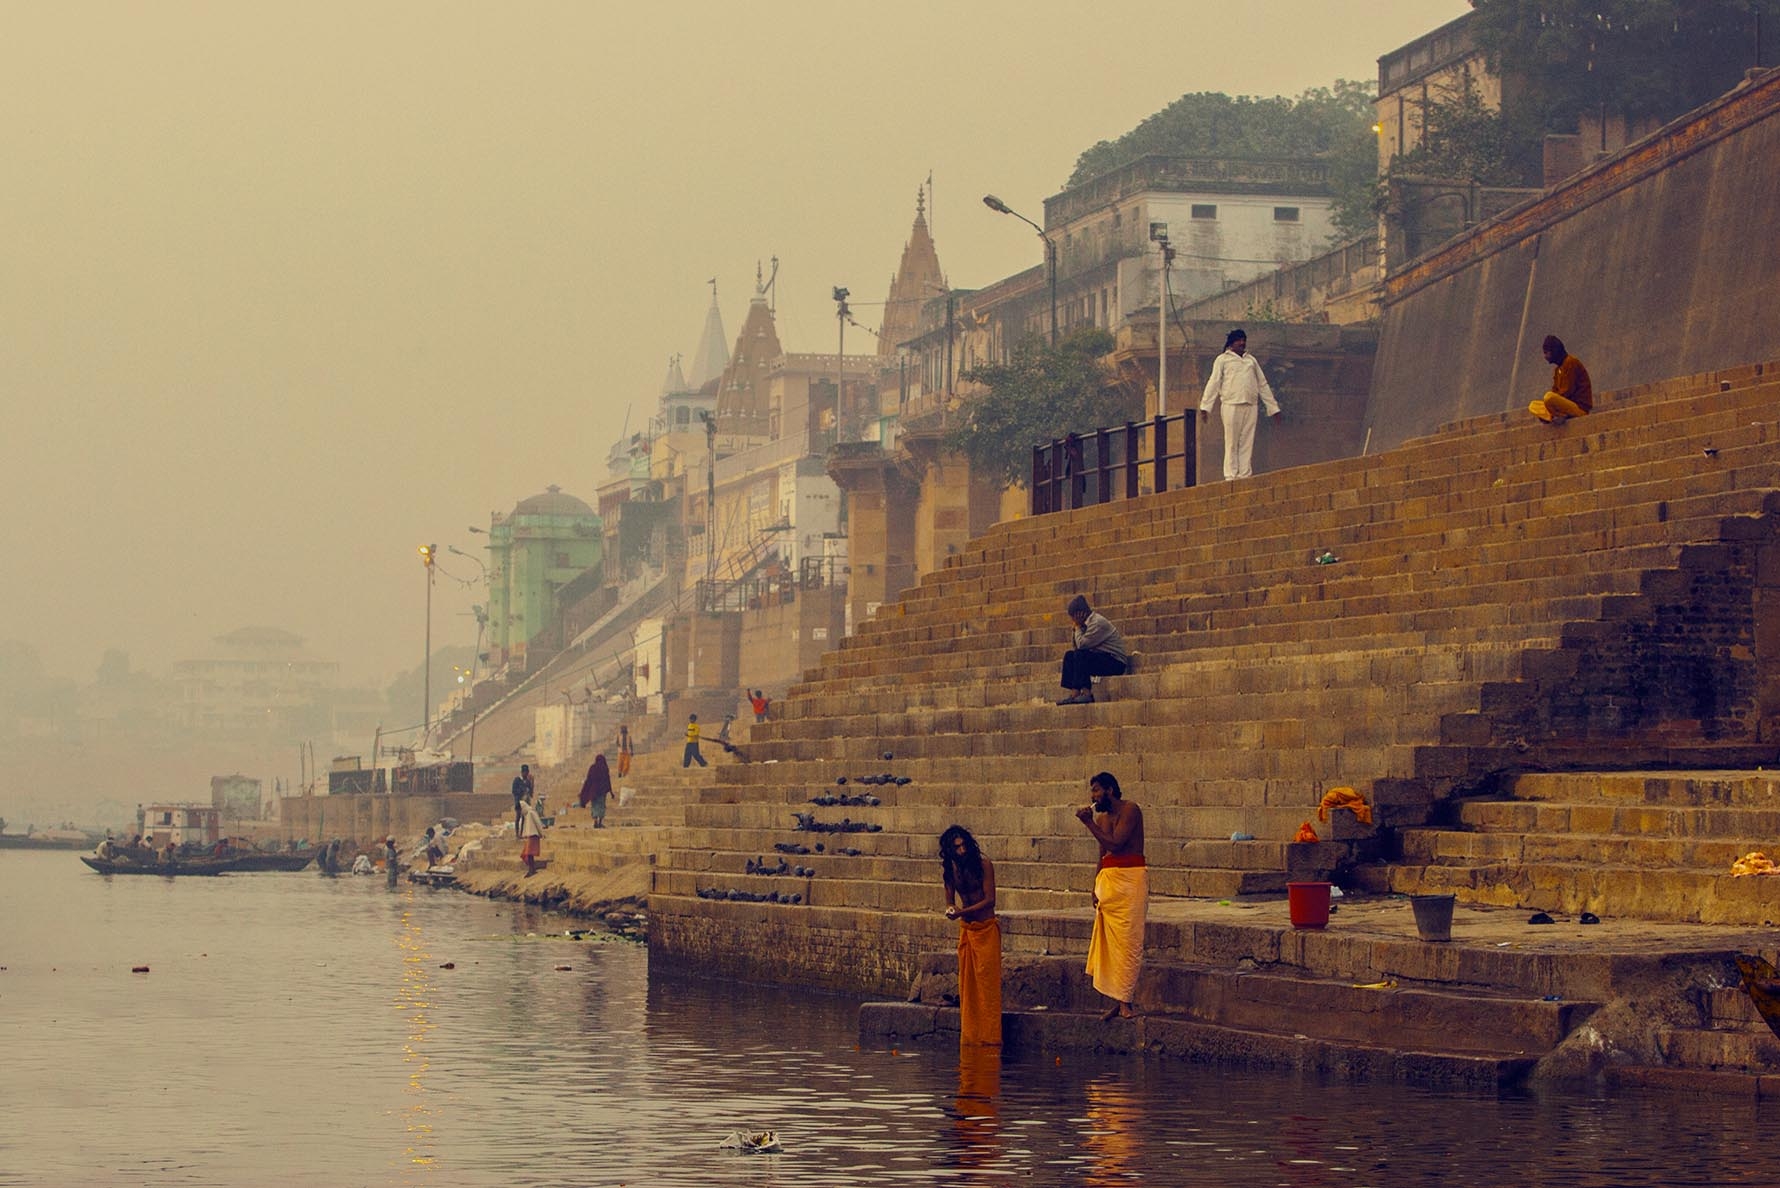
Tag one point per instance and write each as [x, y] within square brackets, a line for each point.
[1099, 651]
[1571, 395]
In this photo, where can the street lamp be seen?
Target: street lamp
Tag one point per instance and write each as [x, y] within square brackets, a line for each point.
[999, 207]
[427, 554]
[469, 557]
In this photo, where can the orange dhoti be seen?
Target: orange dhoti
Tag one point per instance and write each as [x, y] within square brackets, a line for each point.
[979, 982]
[530, 847]
[1115, 951]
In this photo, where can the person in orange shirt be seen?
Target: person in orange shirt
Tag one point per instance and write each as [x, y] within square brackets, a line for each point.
[1571, 395]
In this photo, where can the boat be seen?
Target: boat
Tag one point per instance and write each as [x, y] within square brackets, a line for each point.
[182, 866]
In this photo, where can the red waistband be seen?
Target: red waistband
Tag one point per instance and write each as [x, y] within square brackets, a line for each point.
[1109, 860]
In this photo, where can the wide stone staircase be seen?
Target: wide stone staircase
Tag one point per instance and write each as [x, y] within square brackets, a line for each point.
[1507, 598]
[588, 869]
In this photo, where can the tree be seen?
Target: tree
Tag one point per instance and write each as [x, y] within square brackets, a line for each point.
[1463, 137]
[1042, 392]
[1645, 59]
[1332, 123]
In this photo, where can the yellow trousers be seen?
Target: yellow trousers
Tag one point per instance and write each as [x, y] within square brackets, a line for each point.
[1552, 407]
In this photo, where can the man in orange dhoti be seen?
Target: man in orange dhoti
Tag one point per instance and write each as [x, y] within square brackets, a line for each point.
[970, 900]
[1121, 894]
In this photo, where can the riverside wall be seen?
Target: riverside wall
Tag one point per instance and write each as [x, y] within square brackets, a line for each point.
[1657, 262]
[366, 819]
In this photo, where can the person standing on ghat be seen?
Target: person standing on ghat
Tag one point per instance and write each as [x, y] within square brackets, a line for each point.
[970, 878]
[522, 788]
[1121, 894]
[1238, 382]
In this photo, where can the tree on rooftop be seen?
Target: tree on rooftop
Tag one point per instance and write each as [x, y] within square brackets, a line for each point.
[1463, 137]
[1332, 123]
[1042, 392]
[1640, 58]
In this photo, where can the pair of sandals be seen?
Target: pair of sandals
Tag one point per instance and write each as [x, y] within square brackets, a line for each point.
[1082, 697]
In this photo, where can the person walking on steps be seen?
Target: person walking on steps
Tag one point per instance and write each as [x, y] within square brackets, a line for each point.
[1238, 383]
[692, 755]
[625, 750]
[1099, 651]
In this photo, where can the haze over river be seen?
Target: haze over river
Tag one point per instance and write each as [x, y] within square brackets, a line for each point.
[304, 1031]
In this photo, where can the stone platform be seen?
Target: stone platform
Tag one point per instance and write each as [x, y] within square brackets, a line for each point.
[1503, 1003]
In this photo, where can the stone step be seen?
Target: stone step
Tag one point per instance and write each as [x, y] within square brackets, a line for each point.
[910, 1024]
[1455, 848]
[1735, 789]
[1678, 895]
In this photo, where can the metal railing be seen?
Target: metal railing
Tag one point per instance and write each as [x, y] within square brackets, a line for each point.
[775, 588]
[1064, 476]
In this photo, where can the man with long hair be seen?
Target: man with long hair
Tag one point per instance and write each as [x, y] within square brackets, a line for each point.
[970, 900]
[1121, 894]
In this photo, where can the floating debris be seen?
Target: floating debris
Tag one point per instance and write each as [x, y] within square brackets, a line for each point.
[751, 1142]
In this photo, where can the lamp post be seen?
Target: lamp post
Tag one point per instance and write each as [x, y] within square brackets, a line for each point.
[427, 553]
[999, 207]
[1159, 235]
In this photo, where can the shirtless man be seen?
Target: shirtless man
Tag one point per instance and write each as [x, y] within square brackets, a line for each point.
[1121, 894]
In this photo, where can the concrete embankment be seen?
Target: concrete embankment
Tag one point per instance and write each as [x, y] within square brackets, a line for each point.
[602, 873]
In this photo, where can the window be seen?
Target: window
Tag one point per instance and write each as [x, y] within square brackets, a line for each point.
[1285, 214]
[1204, 211]
[682, 416]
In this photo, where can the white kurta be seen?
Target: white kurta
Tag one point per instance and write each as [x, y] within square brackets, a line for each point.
[1238, 385]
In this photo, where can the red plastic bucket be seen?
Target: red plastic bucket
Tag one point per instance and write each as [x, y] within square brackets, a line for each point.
[1309, 904]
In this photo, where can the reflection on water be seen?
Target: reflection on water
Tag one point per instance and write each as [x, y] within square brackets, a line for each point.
[411, 1001]
[306, 1031]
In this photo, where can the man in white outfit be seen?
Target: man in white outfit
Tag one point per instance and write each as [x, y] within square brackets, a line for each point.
[1236, 379]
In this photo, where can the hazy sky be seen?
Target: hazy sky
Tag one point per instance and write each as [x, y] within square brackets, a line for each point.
[289, 289]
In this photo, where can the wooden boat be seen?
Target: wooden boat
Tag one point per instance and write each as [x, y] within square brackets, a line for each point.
[183, 866]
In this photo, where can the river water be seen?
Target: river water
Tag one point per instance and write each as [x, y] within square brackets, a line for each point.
[296, 1030]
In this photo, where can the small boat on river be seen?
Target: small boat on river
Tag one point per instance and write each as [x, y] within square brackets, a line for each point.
[179, 866]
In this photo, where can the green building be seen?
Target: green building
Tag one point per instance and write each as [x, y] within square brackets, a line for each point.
[543, 556]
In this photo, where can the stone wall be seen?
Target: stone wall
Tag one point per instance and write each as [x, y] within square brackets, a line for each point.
[364, 820]
[835, 948]
[781, 639]
[1655, 263]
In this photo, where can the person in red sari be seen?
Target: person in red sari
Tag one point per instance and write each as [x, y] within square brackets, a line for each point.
[595, 789]
[970, 900]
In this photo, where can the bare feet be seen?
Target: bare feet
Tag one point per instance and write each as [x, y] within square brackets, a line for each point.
[1118, 1010]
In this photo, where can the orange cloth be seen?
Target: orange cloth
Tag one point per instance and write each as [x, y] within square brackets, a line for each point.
[1306, 833]
[1115, 950]
[1754, 863]
[979, 981]
[531, 846]
[1345, 798]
